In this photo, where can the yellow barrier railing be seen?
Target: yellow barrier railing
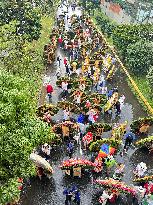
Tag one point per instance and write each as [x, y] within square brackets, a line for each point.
[148, 106]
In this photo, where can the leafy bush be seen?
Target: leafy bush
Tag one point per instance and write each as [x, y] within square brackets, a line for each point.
[27, 16]
[124, 35]
[139, 57]
[150, 77]
[20, 131]
[11, 192]
[106, 25]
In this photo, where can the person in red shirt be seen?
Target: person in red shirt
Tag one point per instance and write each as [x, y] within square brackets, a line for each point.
[49, 90]
[65, 61]
[60, 41]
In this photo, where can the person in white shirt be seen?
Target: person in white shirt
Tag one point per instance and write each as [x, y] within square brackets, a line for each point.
[65, 88]
[140, 169]
[121, 100]
[66, 113]
[46, 149]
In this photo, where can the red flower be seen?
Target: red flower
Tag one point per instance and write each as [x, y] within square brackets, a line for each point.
[20, 187]
[20, 180]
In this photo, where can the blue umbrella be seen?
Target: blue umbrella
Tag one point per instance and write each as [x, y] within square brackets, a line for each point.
[130, 135]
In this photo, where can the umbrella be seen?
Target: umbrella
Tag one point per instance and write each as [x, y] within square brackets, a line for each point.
[39, 161]
[106, 150]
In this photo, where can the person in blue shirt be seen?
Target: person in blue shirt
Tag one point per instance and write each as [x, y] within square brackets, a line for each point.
[70, 149]
[77, 197]
[68, 194]
[110, 93]
[81, 118]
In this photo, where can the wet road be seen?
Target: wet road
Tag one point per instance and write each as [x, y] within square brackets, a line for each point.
[50, 191]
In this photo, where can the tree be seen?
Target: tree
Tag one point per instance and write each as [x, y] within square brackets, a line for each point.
[16, 57]
[27, 17]
[124, 35]
[20, 131]
[139, 57]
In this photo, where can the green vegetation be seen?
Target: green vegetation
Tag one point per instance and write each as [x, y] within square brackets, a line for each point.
[145, 88]
[139, 57]
[22, 66]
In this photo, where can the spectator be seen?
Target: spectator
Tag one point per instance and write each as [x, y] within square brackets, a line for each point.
[49, 90]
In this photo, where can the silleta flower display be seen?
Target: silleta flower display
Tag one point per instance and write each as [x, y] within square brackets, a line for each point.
[115, 184]
[84, 163]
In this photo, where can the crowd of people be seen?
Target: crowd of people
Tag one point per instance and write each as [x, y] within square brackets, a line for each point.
[88, 59]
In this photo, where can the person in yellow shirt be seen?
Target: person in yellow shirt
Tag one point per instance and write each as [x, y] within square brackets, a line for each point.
[74, 66]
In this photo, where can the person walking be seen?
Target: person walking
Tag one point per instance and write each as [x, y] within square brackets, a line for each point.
[70, 149]
[67, 66]
[59, 60]
[65, 88]
[65, 61]
[68, 194]
[49, 90]
[129, 138]
[77, 197]
[46, 150]
[58, 72]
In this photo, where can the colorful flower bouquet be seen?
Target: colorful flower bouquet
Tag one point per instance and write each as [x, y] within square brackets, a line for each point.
[144, 179]
[115, 184]
[71, 163]
[95, 146]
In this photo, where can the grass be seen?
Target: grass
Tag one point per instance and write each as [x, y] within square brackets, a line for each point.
[47, 23]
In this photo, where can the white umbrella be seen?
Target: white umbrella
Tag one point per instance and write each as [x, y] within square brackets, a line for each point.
[39, 161]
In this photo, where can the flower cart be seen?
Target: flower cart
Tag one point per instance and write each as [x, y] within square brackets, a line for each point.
[144, 179]
[119, 130]
[141, 125]
[76, 165]
[65, 128]
[111, 102]
[95, 146]
[115, 184]
[146, 142]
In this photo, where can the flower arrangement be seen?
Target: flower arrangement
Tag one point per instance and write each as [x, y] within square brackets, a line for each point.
[115, 184]
[83, 163]
[95, 146]
[101, 99]
[57, 128]
[51, 109]
[145, 142]
[144, 179]
[119, 131]
[136, 124]
[94, 127]
[73, 107]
